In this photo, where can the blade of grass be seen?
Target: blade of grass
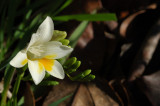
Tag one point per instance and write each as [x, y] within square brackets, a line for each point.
[18, 33]
[77, 33]
[3, 4]
[11, 15]
[1, 46]
[66, 4]
[87, 17]
[21, 101]
[32, 6]
[55, 6]
[60, 100]
[2, 31]
[7, 81]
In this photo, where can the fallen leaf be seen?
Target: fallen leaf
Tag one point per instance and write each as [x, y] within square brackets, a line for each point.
[100, 98]
[29, 99]
[152, 87]
[83, 97]
[59, 91]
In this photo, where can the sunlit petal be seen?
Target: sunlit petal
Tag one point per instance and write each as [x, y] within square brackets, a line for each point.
[44, 32]
[19, 60]
[57, 70]
[56, 50]
[37, 71]
[49, 50]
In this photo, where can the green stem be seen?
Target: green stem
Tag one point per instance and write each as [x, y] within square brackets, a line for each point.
[16, 86]
[7, 81]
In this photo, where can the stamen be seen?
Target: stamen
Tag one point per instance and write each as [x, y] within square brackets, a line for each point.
[37, 49]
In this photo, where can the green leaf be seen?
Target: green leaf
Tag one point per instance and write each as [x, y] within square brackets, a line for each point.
[4, 64]
[77, 33]
[32, 6]
[67, 3]
[21, 101]
[60, 100]
[87, 17]
[7, 81]
[55, 6]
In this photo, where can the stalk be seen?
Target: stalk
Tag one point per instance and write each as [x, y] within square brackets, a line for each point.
[7, 81]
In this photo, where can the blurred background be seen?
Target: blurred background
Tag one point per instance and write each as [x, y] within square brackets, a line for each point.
[123, 54]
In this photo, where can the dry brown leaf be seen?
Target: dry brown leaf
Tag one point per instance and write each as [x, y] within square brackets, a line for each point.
[112, 25]
[82, 97]
[126, 22]
[29, 99]
[120, 90]
[109, 35]
[152, 6]
[92, 5]
[123, 14]
[86, 36]
[100, 98]
[59, 91]
[146, 52]
[124, 48]
[152, 87]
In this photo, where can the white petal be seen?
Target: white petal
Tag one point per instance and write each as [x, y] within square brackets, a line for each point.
[33, 40]
[50, 50]
[44, 32]
[19, 60]
[56, 49]
[57, 70]
[37, 71]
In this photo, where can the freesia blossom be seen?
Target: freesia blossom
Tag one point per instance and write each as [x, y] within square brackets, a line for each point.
[41, 53]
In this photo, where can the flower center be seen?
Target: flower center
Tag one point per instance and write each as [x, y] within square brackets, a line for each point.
[37, 49]
[47, 63]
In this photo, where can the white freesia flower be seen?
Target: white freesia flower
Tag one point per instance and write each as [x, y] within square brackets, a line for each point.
[41, 53]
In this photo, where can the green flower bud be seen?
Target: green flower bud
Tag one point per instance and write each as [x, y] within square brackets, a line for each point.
[87, 72]
[58, 35]
[82, 75]
[48, 83]
[92, 77]
[70, 71]
[89, 77]
[75, 65]
[70, 62]
[64, 41]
